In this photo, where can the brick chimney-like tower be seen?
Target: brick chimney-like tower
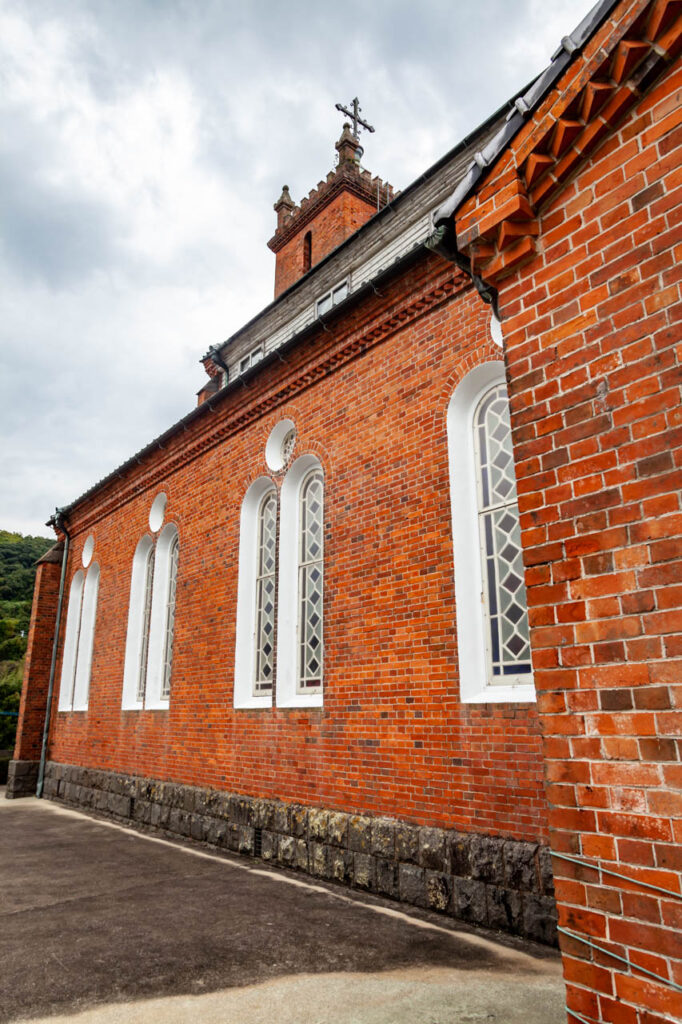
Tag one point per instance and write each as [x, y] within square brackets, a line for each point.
[340, 204]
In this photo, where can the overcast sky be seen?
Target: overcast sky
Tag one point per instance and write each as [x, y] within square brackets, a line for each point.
[142, 145]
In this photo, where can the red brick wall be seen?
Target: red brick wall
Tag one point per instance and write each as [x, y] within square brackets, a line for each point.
[37, 665]
[331, 226]
[393, 737]
[593, 345]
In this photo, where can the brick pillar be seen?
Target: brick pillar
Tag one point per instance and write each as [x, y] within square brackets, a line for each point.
[594, 355]
[23, 770]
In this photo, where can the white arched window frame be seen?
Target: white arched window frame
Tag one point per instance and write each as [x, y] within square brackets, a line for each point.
[139, 614]
[74, 689]
[294, 631]
[478, 683]
[86, 639]
[70, 654]
[162, 619]
[251, 624]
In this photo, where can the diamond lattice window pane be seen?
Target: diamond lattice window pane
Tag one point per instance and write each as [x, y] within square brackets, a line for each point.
[310, 582]
[170, 616]
[265, 594]
[502, 563]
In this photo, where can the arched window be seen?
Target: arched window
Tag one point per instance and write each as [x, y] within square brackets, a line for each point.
[266, 558]
[144, 618]
[139, 615]
[307, 251]
[492, 618]
[74, 690]
[151, 622]
[70, 655]
[255, 639]
[300, 618]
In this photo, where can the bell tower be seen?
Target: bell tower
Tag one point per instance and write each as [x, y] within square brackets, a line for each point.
[330, 213]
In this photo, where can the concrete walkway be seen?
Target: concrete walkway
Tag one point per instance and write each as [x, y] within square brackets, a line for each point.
[100, 925]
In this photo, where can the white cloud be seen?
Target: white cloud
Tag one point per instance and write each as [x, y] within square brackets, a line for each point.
[142, 146]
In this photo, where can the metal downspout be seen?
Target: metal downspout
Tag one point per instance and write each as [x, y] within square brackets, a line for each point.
[58, 521]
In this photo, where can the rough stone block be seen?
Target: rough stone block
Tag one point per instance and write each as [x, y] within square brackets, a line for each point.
[407, 844]
[221, 808]
[239, 810]
[318, 857]
[175, 796]
[432, 848]
[383, 838]
[387, 878]
[128, 785]
[198, 827]
[50, 787]
[263, 814]
[341, 865]
[204, 800]
[281, 818]
[119, 804]
[486, 860]
[520, 866]
[438, 890]
[287, 851]
[363, 871]
[216, 831]
[412, 884]
[504, 909]
[189, 795]
[544, 858]
[301, 858]
[246, 840]
[101, 799]
[178, 821]
[317, 825]
[337, 829]
[233, 836]
[160, 816]
[460, 854]
[540, 919]
[142, 812]
[22, 778]
[359, 833]
[469, 901]
[298, 817]
[268, 847]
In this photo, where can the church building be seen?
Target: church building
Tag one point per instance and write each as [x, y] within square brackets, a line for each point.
[397, 603]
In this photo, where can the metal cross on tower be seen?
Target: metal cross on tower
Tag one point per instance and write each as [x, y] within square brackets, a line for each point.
[354, 114]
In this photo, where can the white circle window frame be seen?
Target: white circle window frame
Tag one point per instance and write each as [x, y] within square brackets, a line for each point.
[280, 445]
[157, 513]
[496, 331]
[88, 550]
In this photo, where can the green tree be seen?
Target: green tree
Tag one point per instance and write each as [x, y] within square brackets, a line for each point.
[18, 556]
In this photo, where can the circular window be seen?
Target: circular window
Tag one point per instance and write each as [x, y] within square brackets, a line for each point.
[88, 549]
[496, 330]
[280, 445]
[157, 512]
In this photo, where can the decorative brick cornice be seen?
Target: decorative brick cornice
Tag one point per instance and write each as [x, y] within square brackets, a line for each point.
[224, 421]
[496, 229]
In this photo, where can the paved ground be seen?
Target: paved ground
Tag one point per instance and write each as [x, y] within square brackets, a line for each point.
[103, 925]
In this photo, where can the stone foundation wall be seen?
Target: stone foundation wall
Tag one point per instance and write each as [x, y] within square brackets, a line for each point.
[22, 778]
[483, 880]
